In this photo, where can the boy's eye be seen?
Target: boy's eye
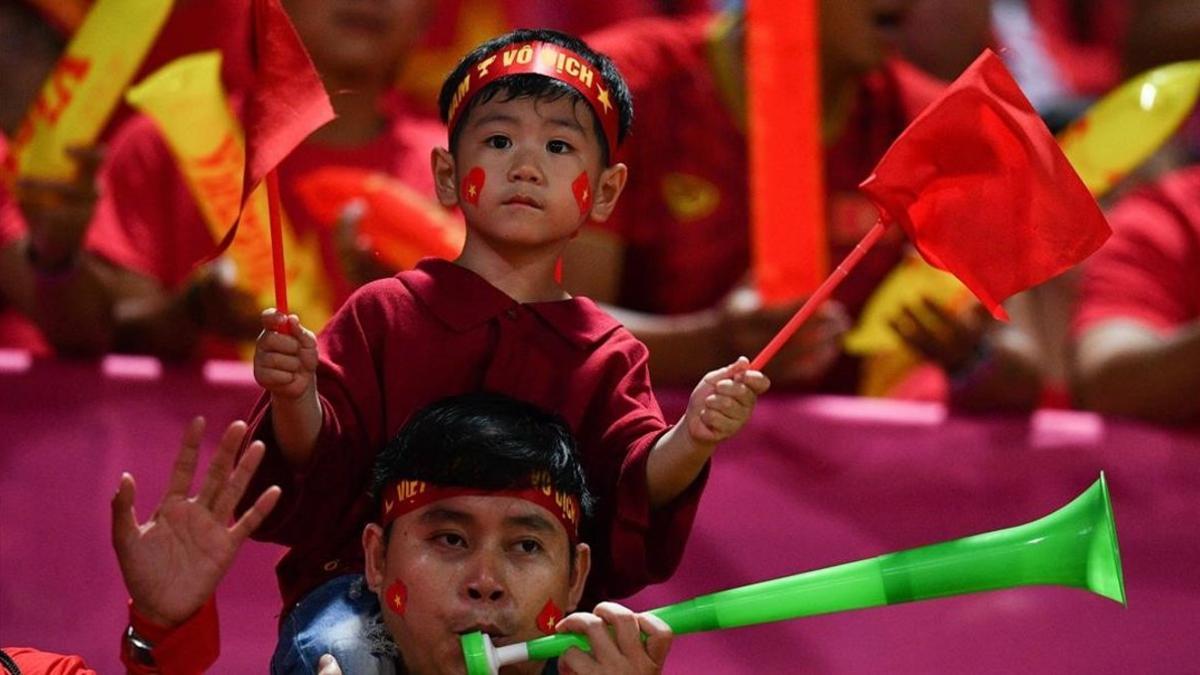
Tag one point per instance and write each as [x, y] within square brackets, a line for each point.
[558, 147]
[498, 142]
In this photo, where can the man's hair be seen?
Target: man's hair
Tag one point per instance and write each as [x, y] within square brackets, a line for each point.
[541, 87]
[484, 441]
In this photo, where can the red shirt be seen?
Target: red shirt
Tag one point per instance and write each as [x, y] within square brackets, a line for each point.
[682, 216]
[17, 331]
[151, 224]
[400, 344]
[1149, 270]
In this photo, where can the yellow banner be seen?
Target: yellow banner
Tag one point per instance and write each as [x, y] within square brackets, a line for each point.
[187, 103]
[85, 86]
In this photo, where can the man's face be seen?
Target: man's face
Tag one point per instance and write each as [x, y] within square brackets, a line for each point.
[359, 39]
[471, 563]
[857, 34]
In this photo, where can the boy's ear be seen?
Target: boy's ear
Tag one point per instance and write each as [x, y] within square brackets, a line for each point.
[579, 575]
[445, 177]
[375, 551]
[608, 190]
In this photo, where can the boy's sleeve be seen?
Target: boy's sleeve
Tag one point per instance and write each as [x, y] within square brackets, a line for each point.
[635, 545]
[317, 498]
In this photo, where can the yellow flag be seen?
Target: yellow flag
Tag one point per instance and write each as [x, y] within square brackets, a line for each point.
[187, 103]
[85, 86]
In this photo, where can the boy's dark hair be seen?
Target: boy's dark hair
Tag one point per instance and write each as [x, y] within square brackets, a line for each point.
[541, 87]
[485, 441]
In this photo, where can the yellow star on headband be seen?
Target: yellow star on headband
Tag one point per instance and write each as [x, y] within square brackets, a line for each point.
[603, 98]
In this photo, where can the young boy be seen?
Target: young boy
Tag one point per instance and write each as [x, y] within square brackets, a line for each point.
[534, 120]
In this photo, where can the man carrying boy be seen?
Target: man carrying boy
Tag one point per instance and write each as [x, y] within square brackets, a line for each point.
[473, 546]
[534, 120]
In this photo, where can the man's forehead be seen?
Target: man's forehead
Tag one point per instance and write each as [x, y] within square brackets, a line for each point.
[490, 511]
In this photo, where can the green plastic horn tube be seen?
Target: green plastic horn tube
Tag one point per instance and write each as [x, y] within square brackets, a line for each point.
[1075, 546]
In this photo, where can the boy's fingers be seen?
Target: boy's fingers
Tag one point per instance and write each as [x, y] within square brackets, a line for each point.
[185, 461]
[269, 378]
[281, 362]
[718, 422]
[726, 405]
[273, 341]
[271, 318]
[757, 382]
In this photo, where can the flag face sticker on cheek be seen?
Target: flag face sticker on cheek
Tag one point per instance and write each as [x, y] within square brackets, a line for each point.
[396, 597]
[472, 185]
[549, 617]
[582, 188]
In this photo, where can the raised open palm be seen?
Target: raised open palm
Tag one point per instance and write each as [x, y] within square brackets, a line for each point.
[173, 562]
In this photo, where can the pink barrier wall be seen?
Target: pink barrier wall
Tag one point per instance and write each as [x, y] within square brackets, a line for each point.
[812, 482]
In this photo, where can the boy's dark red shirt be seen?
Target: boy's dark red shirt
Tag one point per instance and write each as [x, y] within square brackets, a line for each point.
[402, 343]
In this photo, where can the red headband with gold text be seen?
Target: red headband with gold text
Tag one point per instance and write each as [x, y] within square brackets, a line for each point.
[406, 496]
[540, 58]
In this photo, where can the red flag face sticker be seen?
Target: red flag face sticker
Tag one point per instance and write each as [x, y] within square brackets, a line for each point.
[549, 617]
[396, 598]
[582, 187]
[472, 185]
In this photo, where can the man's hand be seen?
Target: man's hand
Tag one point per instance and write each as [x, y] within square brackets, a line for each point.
[953, 341]
[747, 326]
[173, 562]
[58, 211]
[215, 303]
[615, 634]
[721, 404]
[285, 357]
[355, 251]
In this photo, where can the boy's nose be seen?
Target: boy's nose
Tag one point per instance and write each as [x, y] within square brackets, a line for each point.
[525, 170]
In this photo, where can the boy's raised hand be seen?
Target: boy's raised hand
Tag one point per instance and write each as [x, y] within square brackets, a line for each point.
[285, 356]
[721, 404]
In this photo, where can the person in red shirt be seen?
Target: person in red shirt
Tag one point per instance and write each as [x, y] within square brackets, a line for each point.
[534, 119]
[674, 257]
[1136, 330]
[151, 233]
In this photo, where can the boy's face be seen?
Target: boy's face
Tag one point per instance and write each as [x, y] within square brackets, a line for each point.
[527, 172]
[471, 563]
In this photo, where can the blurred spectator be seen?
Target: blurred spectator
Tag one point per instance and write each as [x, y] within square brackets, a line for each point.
[676, 253]
[1162, 31]
[42, 272]
[1064, 53]
[943, 37]
[153, 235]
[458, 26]
[1136, 331]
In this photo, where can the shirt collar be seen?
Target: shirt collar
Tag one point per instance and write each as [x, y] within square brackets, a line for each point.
[463, 300]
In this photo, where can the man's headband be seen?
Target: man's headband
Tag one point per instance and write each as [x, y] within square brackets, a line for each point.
[540, 58]
[406, 496]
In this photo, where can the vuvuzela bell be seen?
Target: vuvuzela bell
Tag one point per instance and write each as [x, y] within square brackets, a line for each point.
[1074, 546]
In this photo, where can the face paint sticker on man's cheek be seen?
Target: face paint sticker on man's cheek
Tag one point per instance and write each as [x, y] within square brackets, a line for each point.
[396, 598]
[582, 187]
[549, 617]
[472, 185]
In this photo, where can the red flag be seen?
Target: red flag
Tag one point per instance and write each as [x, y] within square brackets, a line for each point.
[983, 191]
[286, 103]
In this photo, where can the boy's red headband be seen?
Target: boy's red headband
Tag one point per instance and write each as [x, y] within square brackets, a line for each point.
[406, 496]
[540, 58]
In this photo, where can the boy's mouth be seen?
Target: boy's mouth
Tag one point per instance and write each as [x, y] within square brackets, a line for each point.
[522, 200]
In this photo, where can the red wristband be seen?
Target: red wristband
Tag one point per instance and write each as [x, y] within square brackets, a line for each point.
[187, 649]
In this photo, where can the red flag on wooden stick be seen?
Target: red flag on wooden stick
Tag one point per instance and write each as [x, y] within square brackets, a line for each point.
[982, 189]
